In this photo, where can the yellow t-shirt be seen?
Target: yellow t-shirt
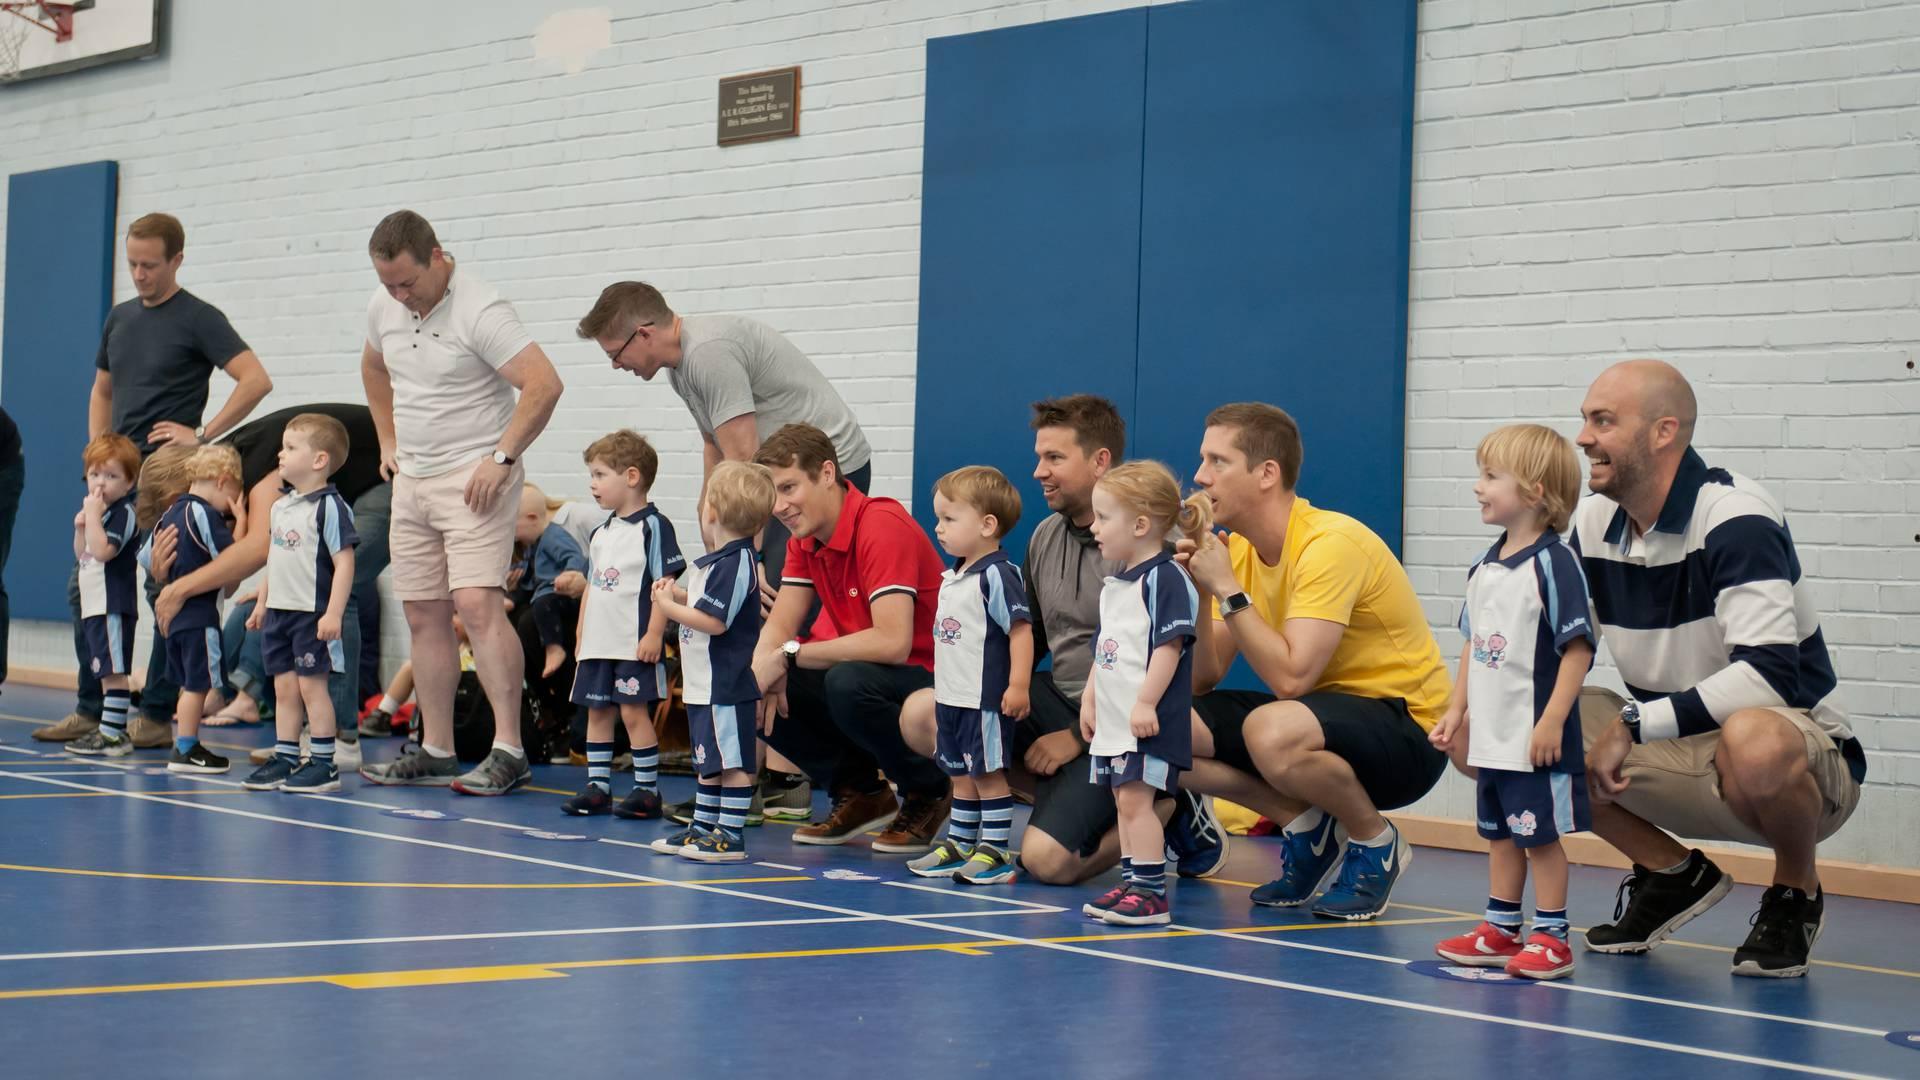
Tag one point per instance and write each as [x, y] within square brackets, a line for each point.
[1335, 568]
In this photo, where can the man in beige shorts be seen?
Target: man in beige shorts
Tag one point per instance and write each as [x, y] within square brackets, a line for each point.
[444, 355]
[1734, 731]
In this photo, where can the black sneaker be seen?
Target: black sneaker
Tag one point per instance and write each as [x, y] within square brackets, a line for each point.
[197, 759]
[680, 813]
[592, 802]
[641, 804]
[1784, 930]
[1649, 907]
[378, 724]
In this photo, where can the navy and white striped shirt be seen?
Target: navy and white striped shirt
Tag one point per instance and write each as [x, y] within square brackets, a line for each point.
[203, 535]
[1707, 613]
[109, 587]
[717, 669]
[972, 650]
[307, 531]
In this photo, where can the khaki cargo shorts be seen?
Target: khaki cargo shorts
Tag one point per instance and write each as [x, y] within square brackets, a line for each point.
[440, 545]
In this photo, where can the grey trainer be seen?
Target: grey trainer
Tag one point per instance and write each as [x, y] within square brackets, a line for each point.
[414, 767]
[499, 773]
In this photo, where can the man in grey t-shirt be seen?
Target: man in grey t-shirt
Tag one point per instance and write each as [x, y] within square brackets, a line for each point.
[741, 379]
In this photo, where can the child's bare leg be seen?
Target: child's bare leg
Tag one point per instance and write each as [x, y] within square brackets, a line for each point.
[1548, 863]
[289, 714]
[186, 718]
[1142, 836]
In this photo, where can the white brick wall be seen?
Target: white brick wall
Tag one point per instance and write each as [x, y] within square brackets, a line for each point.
[1730, 184]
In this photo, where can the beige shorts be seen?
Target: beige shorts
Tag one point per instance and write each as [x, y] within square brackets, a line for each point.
[439, 545]
[1675, 785]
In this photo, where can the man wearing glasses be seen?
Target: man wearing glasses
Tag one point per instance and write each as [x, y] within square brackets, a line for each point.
[444, 357]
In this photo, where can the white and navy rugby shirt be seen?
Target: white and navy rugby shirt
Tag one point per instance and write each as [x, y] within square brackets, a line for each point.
[307, 531]
[979, 606]
[717, 669]
[110, 587]
[1140, 610]
[1707, 613]
[625, 556]
[1520, 615]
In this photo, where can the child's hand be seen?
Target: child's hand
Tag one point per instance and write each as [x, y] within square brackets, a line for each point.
[663, 592]
[1086, 726]
[80, 518]
[259, 617]
[1144, 720]
[1443, 732]
[572, 583]
[94, 503]
[1544, 748]
[1014, 704]
[649, 650]
[329, 628]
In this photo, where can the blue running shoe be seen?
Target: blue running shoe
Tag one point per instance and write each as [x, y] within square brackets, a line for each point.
[1196, 842]
[1367, 877]
[1311, 860]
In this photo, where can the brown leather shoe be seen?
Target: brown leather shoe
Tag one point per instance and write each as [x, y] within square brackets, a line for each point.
[148, 733]
[918, 823]
[851, 816]
[71, 727]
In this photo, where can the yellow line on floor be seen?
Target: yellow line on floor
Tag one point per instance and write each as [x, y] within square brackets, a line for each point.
[380, 980]
[393, 884]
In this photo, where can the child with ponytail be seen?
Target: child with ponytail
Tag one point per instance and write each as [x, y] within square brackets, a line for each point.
[1134, 712]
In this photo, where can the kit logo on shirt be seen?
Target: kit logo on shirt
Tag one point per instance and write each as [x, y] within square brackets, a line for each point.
[686, 633]
[948, 632]
[606, 580]
[287, 538]
[1106, 654]
[1490, 650]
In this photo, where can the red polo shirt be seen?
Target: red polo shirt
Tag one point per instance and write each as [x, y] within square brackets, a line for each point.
[876, 548]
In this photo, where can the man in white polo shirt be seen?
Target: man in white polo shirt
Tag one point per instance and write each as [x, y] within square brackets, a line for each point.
[443, 356]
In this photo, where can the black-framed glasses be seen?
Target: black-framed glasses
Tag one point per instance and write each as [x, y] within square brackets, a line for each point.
[614, 356]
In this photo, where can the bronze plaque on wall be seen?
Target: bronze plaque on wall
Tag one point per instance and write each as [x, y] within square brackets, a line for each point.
[765, 105]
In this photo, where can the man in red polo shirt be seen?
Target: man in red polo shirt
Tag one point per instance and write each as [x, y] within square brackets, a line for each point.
[833, 695]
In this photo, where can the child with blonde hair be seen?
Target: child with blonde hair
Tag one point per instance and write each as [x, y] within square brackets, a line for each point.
[212, 474]
[1134, 712]
[1529, 646]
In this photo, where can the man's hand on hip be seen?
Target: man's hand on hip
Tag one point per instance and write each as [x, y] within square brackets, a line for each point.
[169, 433]
[485, 485]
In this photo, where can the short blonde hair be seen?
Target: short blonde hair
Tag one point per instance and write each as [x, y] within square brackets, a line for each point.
[741, 496]
[215, 461]
[325, 434]
[1148, 487]
[987, 490]
[1535, 454]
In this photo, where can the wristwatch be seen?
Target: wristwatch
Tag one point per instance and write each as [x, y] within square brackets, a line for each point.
[1235, 604]
[1630, 716]
[500, 458]
[791, 650]
[200, 433]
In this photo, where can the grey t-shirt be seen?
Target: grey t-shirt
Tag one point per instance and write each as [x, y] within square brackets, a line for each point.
[731, 365]
[160, 359]
[1065, 574]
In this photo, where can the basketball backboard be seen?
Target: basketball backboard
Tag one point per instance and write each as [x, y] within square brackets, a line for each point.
[102, 32]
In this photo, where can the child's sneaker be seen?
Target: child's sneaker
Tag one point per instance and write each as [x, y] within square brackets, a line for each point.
[100, 743]
[945, 860]
[987, 866]
[1098, 908]
[1545, 957]
[1139, 908]
[592, 802]
[641, 804]
[269, 777]
[714, 845]
[313, 777]
[671, 843]
[1485, 945]
[197, 759]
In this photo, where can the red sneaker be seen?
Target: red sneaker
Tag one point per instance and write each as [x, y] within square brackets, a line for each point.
[1545, 957]
[1099, 908]
[1137, 908]
[1485, 945]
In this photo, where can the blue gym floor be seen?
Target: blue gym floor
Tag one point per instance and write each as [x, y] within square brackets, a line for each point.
[183, 927]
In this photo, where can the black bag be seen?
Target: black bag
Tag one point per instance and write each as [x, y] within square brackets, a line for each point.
[473, 724]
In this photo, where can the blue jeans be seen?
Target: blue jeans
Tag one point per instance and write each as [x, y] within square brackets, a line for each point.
[247, 672]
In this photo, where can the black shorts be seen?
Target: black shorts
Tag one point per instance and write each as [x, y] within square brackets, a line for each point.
[1377, 737]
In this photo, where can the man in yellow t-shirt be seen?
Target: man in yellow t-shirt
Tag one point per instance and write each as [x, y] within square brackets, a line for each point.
[1326, 617]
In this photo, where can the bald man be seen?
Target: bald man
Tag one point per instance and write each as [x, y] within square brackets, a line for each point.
[1734, 730]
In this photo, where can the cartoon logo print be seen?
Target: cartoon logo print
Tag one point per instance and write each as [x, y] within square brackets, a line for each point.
[1119, 765]
[307, 661]
[1523, 823]
[286, 538]
[700, 754]
[1107, 654]
[1490, 650]
[948, 632]
[629, 687]
[96, 665]
[686, 634]
[967, 760]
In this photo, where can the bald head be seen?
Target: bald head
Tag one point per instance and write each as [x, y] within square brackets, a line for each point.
[1655, 390]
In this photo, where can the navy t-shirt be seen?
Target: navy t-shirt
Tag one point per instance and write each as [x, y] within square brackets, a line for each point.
[160, 359]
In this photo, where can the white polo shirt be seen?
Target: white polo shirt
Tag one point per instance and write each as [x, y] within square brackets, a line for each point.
[450, 403]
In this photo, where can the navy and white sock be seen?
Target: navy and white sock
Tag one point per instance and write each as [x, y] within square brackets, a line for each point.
[1150, 877]
[996, 821]
[1126, 870]
[320, 750]
[1504, 915]
[288, 750]
[1550, 921]
[963, 824]
[113, 712]
[733, 812]
[646, 767]
[706, 805]
[600, 765]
